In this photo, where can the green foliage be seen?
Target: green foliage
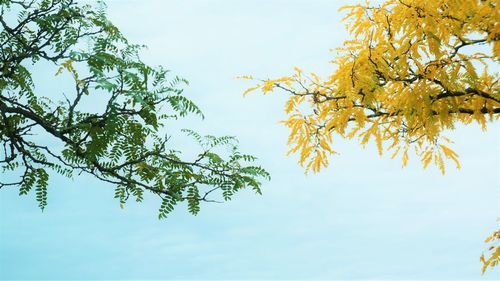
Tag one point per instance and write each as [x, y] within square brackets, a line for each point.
[123, 142]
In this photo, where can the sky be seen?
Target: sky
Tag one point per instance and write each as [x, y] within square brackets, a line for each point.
[363, 218]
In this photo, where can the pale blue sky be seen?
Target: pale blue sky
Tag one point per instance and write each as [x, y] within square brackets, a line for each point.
[362, 218]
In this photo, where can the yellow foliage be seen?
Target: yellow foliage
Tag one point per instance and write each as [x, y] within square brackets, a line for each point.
[248, 77]
[405, 157]
[68, 65]
[494, 251]
[408, 73]
[250, 90]
[449, 153]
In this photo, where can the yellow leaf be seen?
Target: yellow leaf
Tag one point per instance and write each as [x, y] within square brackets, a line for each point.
[395, 152]
[325, 145]
[247, 77]
[427, 159]
[378, 139]
[405, 157]
[450, 154]
[250, 90]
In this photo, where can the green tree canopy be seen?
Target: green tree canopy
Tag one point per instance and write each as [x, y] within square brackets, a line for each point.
[122, 144]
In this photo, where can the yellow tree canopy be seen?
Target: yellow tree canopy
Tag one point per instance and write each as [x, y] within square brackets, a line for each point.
[412, 69]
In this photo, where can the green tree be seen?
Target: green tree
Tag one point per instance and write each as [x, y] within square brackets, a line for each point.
[122, 143]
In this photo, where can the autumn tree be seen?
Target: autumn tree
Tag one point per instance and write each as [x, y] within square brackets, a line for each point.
[411, 70]
[111, 125]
